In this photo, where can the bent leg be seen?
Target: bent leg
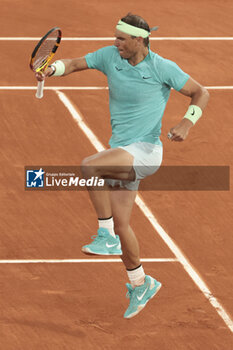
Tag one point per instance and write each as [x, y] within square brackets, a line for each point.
[113, 163]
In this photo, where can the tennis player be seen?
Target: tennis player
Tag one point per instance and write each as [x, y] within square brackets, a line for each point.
[139, 83]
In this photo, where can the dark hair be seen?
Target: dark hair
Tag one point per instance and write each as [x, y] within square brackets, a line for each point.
[139, 22]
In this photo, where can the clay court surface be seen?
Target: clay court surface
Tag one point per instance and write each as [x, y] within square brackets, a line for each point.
[80, 304]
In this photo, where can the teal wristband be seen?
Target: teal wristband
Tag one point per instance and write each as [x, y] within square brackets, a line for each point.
[193, 113]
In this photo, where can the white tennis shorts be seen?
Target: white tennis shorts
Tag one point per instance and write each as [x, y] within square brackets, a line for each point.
[147, 160]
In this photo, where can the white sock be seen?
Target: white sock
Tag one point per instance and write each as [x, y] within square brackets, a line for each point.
[109, 224]
[136, 276]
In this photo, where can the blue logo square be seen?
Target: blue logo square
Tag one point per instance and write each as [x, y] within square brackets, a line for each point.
[35, 178]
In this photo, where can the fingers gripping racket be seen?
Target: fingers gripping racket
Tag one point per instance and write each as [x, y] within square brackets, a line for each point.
[43, 53]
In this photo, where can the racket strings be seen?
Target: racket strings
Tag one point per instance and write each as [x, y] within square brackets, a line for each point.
[45, 50]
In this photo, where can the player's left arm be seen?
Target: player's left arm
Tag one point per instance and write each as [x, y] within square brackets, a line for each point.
[199, 99]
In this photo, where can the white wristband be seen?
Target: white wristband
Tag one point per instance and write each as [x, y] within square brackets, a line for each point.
[193, 113]
[59, 68]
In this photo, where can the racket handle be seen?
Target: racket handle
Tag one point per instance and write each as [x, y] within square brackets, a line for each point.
[40, 87]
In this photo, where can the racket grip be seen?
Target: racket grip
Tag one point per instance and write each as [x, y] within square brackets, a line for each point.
[40, 87]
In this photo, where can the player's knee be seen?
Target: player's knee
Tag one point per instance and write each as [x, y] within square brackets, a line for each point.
[87, 167]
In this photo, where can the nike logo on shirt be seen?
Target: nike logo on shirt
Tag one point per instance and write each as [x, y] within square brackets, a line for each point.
[119, 69]
[146, 77]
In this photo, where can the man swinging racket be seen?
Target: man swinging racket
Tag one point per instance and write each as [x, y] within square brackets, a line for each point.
[139, 87]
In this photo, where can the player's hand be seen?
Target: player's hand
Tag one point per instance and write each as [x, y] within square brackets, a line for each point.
[180, 131]
[40, 76]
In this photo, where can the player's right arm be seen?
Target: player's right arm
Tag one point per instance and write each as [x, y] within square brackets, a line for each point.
[74, 65]
[71, 65]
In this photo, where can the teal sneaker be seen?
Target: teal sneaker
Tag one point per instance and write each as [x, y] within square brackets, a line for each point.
[139, 296]
[103, 244]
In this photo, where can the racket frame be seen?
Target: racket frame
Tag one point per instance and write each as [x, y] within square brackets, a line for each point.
[52, 53]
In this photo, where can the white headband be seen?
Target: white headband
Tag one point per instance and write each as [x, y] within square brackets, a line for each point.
[131, 30]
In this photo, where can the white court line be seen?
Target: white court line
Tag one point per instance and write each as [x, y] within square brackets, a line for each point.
[73, 261]
[113, 38]
[146, 211]
[54, 88]
[87, 131]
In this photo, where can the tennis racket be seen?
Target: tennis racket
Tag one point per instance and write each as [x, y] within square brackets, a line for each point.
[43, 53]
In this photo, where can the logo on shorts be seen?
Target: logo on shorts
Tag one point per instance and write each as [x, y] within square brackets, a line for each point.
[35, 178]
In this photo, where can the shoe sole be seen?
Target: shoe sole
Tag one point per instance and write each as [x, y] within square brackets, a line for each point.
[142, 306]
[89, 252]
